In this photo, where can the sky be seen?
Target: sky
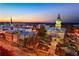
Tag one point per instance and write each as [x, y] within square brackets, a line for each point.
[39, 12]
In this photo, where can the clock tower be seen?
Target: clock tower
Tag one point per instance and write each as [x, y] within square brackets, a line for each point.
[58, 22]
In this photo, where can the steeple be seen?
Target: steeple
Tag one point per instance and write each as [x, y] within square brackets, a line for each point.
[11, 20]
[11, 23]
[59, 18]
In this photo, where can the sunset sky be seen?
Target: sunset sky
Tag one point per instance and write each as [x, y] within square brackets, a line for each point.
[38, 12]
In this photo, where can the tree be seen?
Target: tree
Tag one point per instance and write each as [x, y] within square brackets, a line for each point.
[69, 28]
[24, 42]
[41, 31]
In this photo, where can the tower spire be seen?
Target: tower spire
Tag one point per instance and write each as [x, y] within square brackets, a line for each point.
[58, 16]
[11, 20]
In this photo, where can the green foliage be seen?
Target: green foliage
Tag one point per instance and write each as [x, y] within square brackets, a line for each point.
[24, 42]
[41, 31]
